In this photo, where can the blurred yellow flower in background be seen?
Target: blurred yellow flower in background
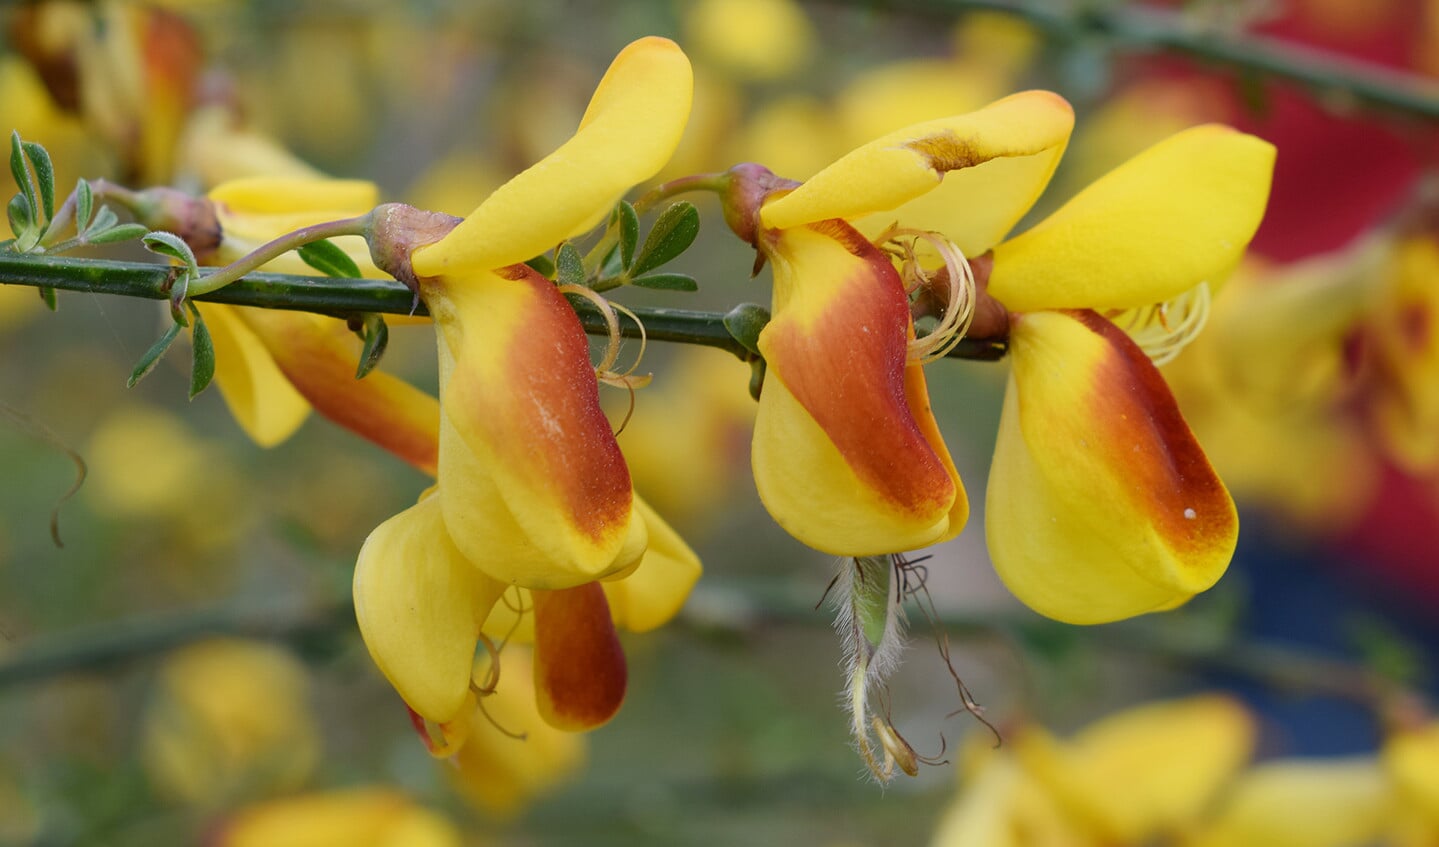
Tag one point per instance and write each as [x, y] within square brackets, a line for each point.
[688, 439]
[752, 39]
[1140, 774]
[229, 719]
[357, 817]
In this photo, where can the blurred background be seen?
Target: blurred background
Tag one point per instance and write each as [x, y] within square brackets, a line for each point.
[188, 660]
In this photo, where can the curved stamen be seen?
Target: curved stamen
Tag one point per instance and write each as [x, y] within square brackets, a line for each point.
[612, 322]
[1163, 330]
[960, 296]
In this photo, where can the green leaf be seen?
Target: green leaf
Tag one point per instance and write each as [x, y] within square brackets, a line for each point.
[172, 245]
[104, 219]
[329, 260]
[121, 232]
[377, 337]
[569, 266]
[44, 175]
[202, 362]
[20, 221]
[629, 222]
[21, 172]
[84, 205]
[47, 294]
[667, 282]
[671, 235]
[152, 356]
[542, 266]
[745, 322]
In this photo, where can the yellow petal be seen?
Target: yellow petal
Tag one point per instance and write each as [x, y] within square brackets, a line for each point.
[259, 395]
[1412, 759]
[633, 124]
[264, 195]
[1302, 803]
[580, 671]
[1101, 504]
[1171, 758]
[998, 159]
[653, 594]
[536, 490]
[1178, 214]
[510, 755]
[846, 455]
[318, 356]
[420, 605]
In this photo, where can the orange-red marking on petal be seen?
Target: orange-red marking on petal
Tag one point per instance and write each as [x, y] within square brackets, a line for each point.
[1173, 479]
[846, 365]
[580, 672]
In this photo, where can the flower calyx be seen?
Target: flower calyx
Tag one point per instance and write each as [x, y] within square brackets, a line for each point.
[194, 219]
[397, 230]
[746, 187]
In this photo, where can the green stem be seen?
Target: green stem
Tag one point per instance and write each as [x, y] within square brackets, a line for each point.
[1334, 80]
[696, 182]
[103, 646]
[347, 297]
[272, 250]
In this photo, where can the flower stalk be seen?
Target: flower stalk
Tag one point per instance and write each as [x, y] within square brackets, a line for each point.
[345, 297]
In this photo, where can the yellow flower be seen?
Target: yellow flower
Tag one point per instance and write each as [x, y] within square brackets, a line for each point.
[847, 455]
[1410, 758]
[533, 490]
[1301, 803]
[755, 39]
[533, 487]
[828, 431]
[229, 718]
[1404, 333]
[273, 366]
[1129, 779]
[1101, 504]
[1171, 757]
[357, 817]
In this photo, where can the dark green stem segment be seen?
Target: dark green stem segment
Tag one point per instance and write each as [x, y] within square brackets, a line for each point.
[347, 297]
[1333, 80]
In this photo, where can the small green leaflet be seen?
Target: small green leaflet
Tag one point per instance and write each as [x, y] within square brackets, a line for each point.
[629, 223]
[671, 235]
[569, 266]
[329, 259]
[152, 356]
[667, 282]
[377, 337]
[202, 362]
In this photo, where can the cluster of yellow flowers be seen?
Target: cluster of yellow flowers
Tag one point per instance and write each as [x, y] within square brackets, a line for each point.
[1173, 773]
[534, 509]
[1101, 503]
